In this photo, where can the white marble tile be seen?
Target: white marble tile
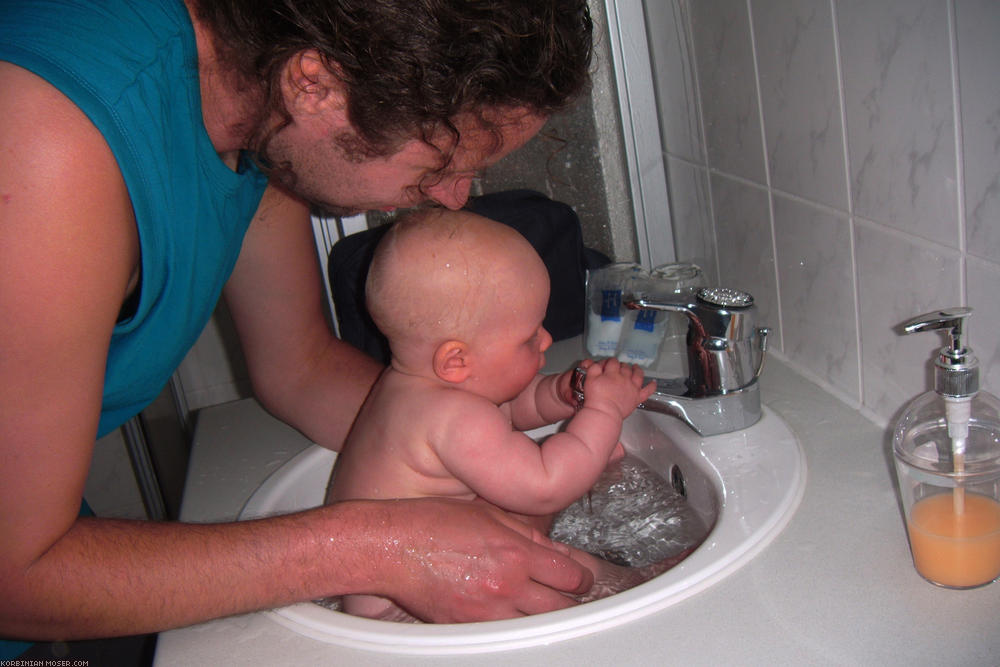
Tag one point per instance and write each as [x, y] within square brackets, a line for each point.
[983, 284]
[800, 98]
[746, 259]
[694, 236]
[727, 83]
[672, 55]
[900, 277]
[816, 287]
[978, 27]
[896, 65]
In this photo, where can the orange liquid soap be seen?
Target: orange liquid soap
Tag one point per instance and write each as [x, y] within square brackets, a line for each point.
[956, 544]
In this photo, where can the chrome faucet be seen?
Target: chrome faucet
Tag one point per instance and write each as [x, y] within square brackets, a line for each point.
[721, 393]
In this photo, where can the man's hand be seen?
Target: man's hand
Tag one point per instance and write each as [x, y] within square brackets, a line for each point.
[456, 561]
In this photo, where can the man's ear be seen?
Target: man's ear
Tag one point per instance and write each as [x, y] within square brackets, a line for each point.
[311, 86]
[451, 361]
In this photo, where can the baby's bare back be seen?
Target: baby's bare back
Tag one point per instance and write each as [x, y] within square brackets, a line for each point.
[389, 452]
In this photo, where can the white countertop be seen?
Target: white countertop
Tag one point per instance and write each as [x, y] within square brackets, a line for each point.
[836, 587]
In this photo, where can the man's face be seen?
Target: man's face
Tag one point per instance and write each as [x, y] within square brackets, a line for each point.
[327, 175]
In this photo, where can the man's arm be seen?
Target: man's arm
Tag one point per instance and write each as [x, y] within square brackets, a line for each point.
[300, 371]
[68, 253]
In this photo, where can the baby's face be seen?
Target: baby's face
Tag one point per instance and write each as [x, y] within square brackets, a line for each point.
[512, 353]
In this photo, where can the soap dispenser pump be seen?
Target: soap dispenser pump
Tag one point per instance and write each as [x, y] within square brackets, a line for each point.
[946, 444]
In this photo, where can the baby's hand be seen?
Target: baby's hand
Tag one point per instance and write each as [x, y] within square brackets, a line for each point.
[564, 388]
[615, 388]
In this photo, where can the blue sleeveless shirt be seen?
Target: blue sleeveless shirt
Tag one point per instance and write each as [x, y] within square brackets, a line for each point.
[131, 66]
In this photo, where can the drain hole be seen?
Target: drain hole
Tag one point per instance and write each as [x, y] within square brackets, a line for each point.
[677, 480]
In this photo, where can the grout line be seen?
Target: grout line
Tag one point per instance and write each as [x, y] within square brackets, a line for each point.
[860, 222]
[767, 175]
[959, 152]
[851, 219]
[704, 169]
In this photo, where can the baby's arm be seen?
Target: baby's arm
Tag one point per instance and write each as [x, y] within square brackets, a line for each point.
[508, 469]
[547, 400]
[606, 404]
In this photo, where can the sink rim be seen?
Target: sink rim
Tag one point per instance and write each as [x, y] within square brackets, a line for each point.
[750, 517]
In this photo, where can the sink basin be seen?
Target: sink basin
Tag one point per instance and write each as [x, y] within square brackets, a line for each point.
[746, 485]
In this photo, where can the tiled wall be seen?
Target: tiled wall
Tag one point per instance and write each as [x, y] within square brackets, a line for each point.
[840, 159]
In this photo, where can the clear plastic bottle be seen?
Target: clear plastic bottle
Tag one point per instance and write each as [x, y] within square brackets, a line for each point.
[946, 445]
[605, 311]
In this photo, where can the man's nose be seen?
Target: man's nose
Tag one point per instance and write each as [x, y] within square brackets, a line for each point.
[452, 193]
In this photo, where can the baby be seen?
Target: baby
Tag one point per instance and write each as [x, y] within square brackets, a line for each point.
[461, 300]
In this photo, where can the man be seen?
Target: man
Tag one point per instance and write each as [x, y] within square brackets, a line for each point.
[157, 154]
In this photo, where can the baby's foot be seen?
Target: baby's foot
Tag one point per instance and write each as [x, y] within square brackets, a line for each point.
[395, 614]
[610, 578]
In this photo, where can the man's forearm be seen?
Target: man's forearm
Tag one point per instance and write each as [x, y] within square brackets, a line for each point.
[324, 398]
[109, 577]
[445, 561]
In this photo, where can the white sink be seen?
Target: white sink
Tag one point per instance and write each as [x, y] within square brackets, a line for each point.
[747, 485]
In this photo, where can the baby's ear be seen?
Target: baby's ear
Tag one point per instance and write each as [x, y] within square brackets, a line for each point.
[451, 361]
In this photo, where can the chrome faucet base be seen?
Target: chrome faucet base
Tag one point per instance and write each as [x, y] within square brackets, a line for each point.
[711, 415]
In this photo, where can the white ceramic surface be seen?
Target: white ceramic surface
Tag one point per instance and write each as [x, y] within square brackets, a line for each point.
[750, 482]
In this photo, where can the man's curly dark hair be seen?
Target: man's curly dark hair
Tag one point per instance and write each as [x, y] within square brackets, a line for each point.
[411, 66]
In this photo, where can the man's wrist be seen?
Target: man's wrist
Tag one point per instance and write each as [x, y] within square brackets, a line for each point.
[358, 538]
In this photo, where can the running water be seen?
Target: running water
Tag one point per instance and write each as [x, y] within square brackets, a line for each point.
[631, 517]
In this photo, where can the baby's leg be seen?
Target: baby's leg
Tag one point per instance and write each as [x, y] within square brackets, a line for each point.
[377, 608]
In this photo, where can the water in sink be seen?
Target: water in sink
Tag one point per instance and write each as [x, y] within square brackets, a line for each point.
[632, 517]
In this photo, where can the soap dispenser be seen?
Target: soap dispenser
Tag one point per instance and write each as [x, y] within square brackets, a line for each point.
[946, 445]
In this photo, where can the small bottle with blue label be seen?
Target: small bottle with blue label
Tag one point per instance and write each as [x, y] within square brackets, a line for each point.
[605, 312]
